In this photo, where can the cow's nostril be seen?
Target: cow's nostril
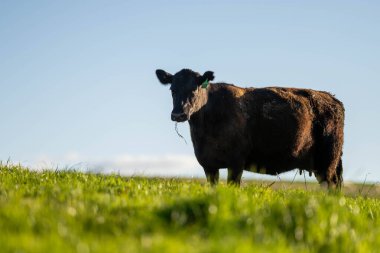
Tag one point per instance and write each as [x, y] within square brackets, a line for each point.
[179, 116]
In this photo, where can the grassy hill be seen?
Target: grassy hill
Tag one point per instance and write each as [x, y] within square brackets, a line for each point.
[75, 212]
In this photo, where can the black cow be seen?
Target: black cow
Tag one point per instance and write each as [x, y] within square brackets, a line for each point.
[266, 130]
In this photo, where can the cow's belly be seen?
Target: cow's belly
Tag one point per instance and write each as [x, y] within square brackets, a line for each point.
[279, 164]
[237, 151]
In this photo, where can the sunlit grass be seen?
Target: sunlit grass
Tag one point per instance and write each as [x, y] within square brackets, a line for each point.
[76, 212]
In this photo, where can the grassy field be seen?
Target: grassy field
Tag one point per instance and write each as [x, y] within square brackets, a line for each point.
[75, 212]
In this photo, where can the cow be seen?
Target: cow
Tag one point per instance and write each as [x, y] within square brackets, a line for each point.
[265, 130]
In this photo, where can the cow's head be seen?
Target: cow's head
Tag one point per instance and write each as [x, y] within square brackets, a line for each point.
[189, 91]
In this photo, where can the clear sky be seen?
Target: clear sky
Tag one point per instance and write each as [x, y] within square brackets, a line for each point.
[78, 88]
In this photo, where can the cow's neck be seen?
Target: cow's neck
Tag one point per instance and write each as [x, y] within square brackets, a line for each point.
[199, 100]
[202, 108]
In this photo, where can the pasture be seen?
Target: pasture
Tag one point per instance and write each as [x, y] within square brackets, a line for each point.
[66, 211]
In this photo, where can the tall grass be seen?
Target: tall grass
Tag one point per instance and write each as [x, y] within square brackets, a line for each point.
[75, 212]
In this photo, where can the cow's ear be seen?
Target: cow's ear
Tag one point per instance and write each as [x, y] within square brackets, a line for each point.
[164, 77]
[208, 75]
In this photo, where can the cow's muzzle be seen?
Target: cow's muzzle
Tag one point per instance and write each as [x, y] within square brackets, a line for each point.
[179, 117]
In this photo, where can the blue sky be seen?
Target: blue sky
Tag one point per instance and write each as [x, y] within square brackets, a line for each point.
[77, 78]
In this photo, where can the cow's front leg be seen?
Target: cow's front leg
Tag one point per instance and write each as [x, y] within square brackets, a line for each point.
[212, 176]
[234, 176]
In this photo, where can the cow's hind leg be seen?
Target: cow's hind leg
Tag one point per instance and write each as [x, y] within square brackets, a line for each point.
[339, 174]
[234, 176]
[330, 180]
[212, 176]
[328, 163]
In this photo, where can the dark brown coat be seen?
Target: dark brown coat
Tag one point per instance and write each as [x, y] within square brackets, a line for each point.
[265, 130]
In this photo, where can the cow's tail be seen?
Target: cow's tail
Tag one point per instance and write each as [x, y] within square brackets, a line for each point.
[339, 174]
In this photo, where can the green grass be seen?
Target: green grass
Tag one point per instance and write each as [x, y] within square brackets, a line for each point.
[76, 212]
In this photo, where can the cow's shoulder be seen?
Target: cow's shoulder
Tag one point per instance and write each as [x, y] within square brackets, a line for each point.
[226, 93]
